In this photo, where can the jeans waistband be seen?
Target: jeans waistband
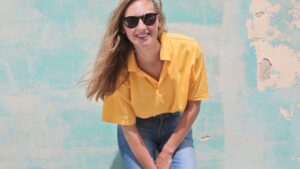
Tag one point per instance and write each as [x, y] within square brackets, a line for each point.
[165, 115]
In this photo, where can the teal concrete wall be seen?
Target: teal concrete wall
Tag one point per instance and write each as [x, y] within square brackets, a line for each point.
[250, 121]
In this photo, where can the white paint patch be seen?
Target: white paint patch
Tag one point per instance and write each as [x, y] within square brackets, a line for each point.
[279, 66]
[259, 27]
[232, 84]
[296, 159]
[211, 35]
[87, 34]
[298, 105]
[21, 24]
[286, 114]
[16, 20]
[2, 125]
[38, 132]
[284, 66]
[295, 13]
[51, 37]
[9, 83]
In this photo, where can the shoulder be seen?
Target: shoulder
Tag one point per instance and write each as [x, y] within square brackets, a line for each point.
[181, 43]
[181, 39]
[123, 78]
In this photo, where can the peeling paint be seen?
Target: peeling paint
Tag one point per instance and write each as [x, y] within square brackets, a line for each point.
[295, 13]
[285, 67]
[259, 27]
[205, 138]
[296, 159]
[278, 66]
[286, 114]
[265, 67]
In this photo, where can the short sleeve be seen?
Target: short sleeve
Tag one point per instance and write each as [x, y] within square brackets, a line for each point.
[198, 87]
[117, 107]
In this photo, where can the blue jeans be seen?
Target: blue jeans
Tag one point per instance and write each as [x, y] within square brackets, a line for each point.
[155, 132]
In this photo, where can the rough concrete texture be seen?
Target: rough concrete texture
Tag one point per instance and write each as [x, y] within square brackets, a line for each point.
[252, 52]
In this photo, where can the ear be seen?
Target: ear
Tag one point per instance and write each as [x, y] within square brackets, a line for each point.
[159, 22]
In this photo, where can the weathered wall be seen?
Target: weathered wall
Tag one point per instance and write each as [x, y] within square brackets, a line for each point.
[250, 121]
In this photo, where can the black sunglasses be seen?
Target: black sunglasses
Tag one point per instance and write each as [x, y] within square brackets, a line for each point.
[132, 21]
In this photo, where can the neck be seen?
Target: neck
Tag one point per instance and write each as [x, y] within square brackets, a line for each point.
[148, 54]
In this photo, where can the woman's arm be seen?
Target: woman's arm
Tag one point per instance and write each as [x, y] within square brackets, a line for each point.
[138, 147]
[189, 116]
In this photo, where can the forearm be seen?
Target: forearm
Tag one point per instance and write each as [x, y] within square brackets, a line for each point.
[138, 147]
[185, 124]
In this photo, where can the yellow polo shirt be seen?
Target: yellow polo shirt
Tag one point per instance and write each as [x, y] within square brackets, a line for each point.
[183, 78]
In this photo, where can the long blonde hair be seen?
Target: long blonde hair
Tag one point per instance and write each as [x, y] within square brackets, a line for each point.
[114, 50]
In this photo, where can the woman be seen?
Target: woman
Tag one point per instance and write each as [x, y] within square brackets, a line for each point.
[151, 83]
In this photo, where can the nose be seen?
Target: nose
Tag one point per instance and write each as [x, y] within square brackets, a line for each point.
[141, 24]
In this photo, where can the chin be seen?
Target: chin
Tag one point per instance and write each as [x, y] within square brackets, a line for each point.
[144, 43]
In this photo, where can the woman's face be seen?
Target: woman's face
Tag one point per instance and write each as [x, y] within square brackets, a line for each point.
[142, 35]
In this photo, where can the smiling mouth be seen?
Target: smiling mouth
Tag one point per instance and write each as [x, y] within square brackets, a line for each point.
[144, 35]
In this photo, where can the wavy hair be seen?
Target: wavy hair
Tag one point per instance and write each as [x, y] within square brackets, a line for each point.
[113, 53]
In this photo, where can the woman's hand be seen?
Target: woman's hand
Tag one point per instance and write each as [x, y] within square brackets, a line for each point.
[190, 113]
[138, 147]
[164, 160]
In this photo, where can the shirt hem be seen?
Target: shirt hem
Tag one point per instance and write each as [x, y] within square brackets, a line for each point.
[204, 97]
[125, 123]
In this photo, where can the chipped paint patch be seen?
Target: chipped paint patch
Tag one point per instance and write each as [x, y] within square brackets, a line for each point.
[2, 125]
[295, 13]
[259, 27]
[205, 138]
[286, 114]
[265, 67]
[296, 159]
[277, 66]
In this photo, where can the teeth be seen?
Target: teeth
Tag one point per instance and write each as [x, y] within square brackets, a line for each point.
[142, 35]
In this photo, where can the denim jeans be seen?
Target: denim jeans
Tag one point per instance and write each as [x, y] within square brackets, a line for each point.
[155, 132]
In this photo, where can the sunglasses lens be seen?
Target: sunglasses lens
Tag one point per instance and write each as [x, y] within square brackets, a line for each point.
[149, 19]
[131, 21]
